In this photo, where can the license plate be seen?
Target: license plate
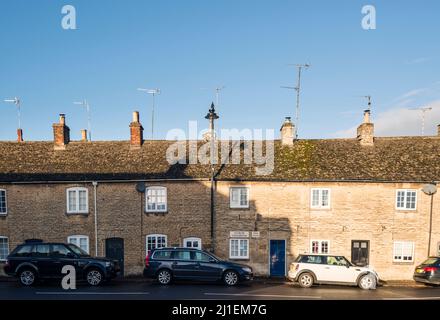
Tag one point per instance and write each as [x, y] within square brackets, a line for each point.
[420, 271]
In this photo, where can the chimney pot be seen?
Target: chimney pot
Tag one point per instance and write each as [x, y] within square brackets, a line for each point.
[19, 135]
[62, 118]
[438, 130]
[84, 135]
[136, 116]
[367, 114]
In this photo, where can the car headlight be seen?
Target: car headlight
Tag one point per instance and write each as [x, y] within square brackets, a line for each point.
[108, 264]
[247, 269]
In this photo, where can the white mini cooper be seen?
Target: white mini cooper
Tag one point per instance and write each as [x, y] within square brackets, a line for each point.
[309, 269]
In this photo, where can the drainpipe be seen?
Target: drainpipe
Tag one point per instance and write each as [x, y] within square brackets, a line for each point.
[95, 184]
[430, 224]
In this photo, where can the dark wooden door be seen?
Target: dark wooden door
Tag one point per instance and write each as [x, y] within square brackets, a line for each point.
[114, 249]
[360, 252]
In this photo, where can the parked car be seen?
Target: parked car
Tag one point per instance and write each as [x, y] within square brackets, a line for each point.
[428, 272]
[37, 260]
[167, 264]
[310, 269]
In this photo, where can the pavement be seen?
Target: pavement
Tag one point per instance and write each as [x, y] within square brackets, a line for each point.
[260, 289]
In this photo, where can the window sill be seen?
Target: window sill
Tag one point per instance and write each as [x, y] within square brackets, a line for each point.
[403, 262]
[3, 214]
[321, 208]
[77, 213]
[239, 208]
[155, 212]
[239, 259]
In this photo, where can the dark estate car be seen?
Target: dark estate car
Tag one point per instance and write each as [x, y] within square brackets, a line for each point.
[167, 264]
[32, 261]
[428, 272]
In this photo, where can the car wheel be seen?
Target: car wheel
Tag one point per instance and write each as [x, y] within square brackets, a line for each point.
[230, 278]
[367, 282]
[164, 277]
[305, 280]
[27, 277]
[94, 277]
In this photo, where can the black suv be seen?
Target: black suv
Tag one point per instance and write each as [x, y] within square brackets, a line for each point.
[166, 264]
[32, 261]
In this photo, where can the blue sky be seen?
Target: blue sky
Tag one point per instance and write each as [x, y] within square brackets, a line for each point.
[183, 47]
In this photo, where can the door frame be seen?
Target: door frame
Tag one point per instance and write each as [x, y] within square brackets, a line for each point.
[368, 249]
[285, 256]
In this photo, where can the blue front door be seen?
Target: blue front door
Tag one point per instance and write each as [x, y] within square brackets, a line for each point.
[277, 258]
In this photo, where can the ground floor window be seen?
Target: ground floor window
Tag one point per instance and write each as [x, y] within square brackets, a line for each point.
[155, 241]
[192, 242]
[239, 248]
[4, 248]
[403, 251]
[320, 246]
[80, 241]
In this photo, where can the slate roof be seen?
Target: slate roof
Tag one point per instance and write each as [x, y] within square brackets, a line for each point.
[412, 159]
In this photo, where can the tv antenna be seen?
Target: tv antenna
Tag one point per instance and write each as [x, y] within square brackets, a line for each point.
[153, 92]
[217, 93]
[17, 103]
[85, 104]
[298, 91]
[423, 110]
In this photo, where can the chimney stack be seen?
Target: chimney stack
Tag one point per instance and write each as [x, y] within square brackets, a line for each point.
[287, 132]
[365, 132]
[19, 135]
[61, 134]
[84, 135]
[136, 132]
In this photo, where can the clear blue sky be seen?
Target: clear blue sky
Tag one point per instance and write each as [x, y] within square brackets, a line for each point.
[185, 46]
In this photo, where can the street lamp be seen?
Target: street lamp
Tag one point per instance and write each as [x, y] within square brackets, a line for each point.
[153, 92]
[17, 103]
[85, 104]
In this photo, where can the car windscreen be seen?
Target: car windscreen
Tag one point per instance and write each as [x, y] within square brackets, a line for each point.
[78, 250]
[430, 261]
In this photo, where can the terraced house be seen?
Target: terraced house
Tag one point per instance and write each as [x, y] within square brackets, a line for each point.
[359, 197]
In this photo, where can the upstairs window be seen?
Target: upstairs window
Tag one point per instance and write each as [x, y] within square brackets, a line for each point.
[156, 199]
[320, 198]
[77, 200]
[406, 199]
[239, 197]
[3, 204]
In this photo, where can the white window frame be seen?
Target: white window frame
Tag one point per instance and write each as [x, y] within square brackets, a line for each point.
[402, 243]
[404, 200]
[155, 235]
[6, 203]
[239, 206]
[146, 199]
[192, 239]
[320, 206]
[77, 190]
[8, 252]
[78, 238]
[238, 256]
[319, 246]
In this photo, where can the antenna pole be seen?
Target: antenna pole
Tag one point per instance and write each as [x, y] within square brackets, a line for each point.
[89, 120]
[152, 117]
[298, 93]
